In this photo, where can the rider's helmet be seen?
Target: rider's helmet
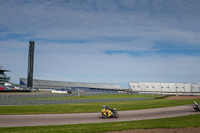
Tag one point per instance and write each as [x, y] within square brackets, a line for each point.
[104, 106]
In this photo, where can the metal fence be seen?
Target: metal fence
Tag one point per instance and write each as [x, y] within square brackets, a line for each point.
[28, 96]
[46, 95]
[63, 101]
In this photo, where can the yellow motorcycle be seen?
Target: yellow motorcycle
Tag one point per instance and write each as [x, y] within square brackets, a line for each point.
[108, 113]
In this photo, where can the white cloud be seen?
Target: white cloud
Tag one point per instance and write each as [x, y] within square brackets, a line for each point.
[90, 64]
[74, 21]
[72, 38]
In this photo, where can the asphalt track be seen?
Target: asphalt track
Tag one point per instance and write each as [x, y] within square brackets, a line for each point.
[62, 119]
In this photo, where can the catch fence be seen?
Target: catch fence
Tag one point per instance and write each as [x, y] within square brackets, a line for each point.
[63, 101]
[48, 95]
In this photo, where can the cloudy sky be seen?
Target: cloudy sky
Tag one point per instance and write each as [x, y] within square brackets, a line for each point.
[102, 41]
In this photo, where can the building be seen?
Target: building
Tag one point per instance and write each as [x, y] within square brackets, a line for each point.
[73, 86]
[165, 88]
[4, 80]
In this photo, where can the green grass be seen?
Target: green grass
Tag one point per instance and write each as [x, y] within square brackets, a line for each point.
[92, 107]
[174, 122]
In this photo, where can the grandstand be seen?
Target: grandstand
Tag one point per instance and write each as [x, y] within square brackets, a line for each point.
[73, 86]
[165, 88]
[4, 79]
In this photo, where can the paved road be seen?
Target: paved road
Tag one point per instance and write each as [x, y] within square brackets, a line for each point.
[61, 119]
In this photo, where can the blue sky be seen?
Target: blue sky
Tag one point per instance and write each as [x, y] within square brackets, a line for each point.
[101, 41]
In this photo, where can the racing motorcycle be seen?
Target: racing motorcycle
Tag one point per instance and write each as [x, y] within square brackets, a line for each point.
[196, 106]
[109, 113]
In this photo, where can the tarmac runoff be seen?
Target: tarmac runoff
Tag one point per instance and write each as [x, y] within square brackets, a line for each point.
[77, 118]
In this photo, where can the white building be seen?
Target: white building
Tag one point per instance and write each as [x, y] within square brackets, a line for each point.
[165, 88]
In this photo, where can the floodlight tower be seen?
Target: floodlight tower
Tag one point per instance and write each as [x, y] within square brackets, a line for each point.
[30, 65]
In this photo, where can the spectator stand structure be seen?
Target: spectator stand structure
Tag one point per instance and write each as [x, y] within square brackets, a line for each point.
[73, 86]
[166, 88]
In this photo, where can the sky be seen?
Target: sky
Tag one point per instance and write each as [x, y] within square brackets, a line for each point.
[102, 41]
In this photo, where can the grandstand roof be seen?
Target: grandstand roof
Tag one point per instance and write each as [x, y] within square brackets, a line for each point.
[49, 83]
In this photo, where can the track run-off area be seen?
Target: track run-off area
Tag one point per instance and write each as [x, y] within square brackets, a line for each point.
[77, 118]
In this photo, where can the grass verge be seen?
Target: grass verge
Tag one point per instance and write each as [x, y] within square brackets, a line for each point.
[174, 122]
[91, 107]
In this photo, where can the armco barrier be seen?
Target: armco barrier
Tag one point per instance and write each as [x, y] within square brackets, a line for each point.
[63, 101]
[39, 95]
[25, 96]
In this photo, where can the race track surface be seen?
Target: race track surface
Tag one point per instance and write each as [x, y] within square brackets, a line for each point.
[62, 119]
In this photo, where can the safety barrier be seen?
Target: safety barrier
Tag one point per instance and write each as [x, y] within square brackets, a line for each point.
[46, 95]
[63, 101]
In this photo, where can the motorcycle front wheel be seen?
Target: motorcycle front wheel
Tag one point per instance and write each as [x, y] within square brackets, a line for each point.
[116, 115]
[104, 116]
[196, 109]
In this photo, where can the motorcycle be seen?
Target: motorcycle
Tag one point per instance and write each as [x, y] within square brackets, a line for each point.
[109, 113]
[196, 107]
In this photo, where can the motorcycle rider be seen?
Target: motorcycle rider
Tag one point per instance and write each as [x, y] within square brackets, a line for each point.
[195, 103]
[196, 106]
[107, 109]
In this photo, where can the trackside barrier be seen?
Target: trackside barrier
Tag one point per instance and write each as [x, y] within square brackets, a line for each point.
[39, 95]
[64, 101]
[26, 96]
